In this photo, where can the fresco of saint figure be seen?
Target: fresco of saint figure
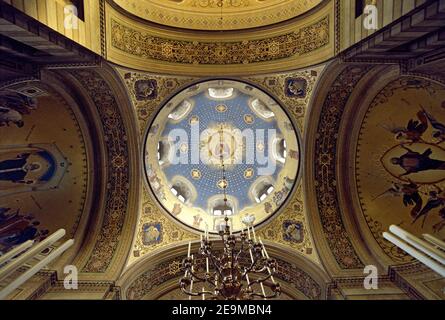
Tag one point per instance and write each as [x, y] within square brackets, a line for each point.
[26, 168]
[197, 221]
[410, 194]
[293, 231]
[296, 87]
[413, 131]
[177, 209]
[414, 162]
[439, 128]
[152, 233]
[145, 89]
[16, 229]
[15, 170]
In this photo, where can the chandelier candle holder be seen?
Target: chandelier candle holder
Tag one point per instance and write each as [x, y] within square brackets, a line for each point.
[239, 272]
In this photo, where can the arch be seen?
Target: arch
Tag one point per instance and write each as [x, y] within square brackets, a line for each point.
[181, 110]
[279, 149]
[340, 102]
[220, 93]
[117, 190]
[166, 151]
[183, 189]
[330, 228]
[50, 160]
[261, 188]
[261, 109]
[158, 273]
[216, 203]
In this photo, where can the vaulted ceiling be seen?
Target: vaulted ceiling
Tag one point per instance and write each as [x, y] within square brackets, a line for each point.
[217, 14]
[99, 99]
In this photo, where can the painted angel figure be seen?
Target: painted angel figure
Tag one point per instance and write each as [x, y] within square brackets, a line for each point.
[439, 127]
[409, 193]
[414, 130]
[436, 200]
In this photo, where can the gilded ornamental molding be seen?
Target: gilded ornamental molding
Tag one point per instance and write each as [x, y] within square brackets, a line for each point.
[146, 46]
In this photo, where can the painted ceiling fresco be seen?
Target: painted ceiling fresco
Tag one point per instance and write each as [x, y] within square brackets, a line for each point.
[43, 165]
[228, 123]
[401, 179]
[217, 14]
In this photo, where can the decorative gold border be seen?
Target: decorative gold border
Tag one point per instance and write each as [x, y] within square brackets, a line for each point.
[169, 51]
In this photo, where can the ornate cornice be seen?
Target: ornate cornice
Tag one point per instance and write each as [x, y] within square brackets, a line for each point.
[297, 43]
[144, 45]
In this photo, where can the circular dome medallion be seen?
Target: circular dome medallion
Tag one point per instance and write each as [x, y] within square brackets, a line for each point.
[203, 164]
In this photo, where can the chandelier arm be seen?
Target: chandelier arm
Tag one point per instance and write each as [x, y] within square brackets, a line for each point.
[215, 265]
[206, 292]
[241, 250]
[197, 294]
[262, 270]
[251, 267]
[260, 295]
[209, 281]
[211, 256]
[261, 280]
[197, 277]
[190, 293]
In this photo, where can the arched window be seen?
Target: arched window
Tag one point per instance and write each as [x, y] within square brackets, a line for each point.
[180, 111]
[165, 148]
[279, 150]
[183, 190]
[261, 109]
[219, 207]
[220, 93]
[262, 188]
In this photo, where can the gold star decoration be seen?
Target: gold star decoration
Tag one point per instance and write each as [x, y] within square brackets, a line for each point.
[196, 174]
[222, 184]
[221, 108]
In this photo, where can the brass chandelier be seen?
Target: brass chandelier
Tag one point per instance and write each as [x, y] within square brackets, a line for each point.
[226, 276]
[239, 271]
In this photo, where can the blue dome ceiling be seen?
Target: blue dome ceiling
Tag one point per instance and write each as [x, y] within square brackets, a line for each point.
[259, 148]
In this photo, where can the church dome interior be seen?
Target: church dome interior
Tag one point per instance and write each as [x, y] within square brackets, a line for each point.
[222, 150]
[253, 129]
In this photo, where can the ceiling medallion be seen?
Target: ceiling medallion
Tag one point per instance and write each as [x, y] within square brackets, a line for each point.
[223, 184]
[249, 119]
[221, 108]
[196, 174]
[248, 174]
